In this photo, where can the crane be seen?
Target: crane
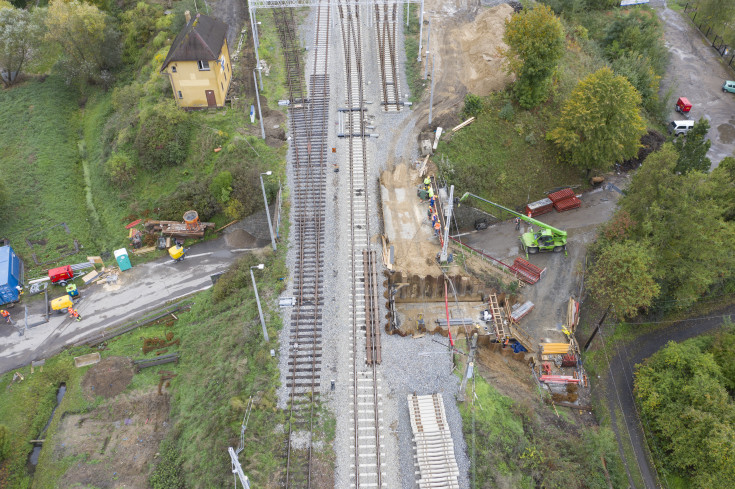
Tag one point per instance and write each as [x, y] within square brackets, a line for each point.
[547, 238]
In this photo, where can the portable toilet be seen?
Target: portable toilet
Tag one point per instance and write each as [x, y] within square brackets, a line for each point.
[10, 275]
[123, 260]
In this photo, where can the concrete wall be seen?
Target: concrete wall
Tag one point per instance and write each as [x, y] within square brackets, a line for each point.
[193, 83]
[431, 289]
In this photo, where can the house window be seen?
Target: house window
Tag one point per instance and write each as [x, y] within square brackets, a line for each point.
[203, 65]
[180, 94]
[173, 69]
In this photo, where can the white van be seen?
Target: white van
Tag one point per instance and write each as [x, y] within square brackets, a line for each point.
[680, 127]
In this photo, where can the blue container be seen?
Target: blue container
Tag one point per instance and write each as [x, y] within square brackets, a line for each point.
[10, 270]
[123, 260]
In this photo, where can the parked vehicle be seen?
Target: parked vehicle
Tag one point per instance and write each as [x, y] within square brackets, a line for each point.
[680, 127]
[728, 86]
[61, 304]
[61, 275]
[683, 105]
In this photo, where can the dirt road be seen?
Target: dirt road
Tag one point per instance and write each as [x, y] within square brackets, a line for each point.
[696, 72]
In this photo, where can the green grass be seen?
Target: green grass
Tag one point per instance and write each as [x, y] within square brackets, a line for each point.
[506, 161]
[416, 84]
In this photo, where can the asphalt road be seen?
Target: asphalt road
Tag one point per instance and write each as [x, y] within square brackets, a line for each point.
[138, 290]
[696, 72]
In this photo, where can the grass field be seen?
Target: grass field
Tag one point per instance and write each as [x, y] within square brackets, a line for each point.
[416, 84]
[506, 161]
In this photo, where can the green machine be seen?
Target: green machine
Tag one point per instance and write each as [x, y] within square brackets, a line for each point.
[547, 238]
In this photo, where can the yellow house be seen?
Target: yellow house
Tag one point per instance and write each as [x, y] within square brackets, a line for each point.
[198, 63]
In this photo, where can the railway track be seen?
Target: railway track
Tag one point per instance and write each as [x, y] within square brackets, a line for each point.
[385, 25]
[368, 457]
[309, 119]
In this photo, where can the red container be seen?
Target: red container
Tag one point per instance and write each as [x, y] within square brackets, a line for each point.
[567, 204]
[539, 207]
[683, 105]
[561, 195]
[61, 274]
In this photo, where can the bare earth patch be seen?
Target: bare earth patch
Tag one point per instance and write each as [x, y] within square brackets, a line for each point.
[117, 443]
[108, 378]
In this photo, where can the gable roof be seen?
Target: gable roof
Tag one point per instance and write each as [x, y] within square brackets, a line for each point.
[201, 39]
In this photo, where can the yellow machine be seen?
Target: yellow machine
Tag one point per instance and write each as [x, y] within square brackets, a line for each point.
[177, 252]
[60, 304]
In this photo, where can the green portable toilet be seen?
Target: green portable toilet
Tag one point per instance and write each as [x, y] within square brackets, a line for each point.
[123, 260]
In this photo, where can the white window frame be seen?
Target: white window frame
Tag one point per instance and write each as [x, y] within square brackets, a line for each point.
[203, 65]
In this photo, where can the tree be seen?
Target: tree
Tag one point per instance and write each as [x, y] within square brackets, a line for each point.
[683, 221]
[20, 33]
[89, 43]
[693, 149]
[681, 396]
[600, 123]
[622, 275]
[535, 40]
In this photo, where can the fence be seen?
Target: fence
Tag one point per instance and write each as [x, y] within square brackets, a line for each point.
[718, 43]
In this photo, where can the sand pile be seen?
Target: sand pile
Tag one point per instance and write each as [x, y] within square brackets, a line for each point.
[482, 41]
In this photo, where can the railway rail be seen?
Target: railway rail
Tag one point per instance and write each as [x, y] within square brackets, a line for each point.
[309, 119]
[368, 457]
[385, 25]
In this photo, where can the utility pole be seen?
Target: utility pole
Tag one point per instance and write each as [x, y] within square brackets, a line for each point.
[431, 98]
[257, 98]
[257, 299]
[592, 336]
[428, 50]
[421, 30]
[448, 219]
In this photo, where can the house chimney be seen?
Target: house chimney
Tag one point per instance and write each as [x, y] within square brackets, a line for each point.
[187, 14]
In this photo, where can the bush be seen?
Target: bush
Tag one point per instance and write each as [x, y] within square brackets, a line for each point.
[507, 112]
[189, 195]
[163, 138]
[221, 186]
[120, 169]
[167, 474]
[472, 105]
[4, 442]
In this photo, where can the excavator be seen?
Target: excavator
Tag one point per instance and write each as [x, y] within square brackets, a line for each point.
[547, 238]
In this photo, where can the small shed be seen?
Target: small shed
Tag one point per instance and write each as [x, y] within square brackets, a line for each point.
[11, 270]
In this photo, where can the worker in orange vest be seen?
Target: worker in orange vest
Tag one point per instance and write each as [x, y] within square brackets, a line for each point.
[6, 315]
[437, 228]
[73, 313]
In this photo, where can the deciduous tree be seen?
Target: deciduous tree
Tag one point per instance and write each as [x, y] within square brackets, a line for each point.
[89, 43]
[693, 149]
[622, 276]
[20, 33]
[600, 124]
[535, 40]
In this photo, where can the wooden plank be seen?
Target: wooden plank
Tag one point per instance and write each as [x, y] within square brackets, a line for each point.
[225, 226]
[89, 359]
[422, 169]
[143, 251]
[465, 123]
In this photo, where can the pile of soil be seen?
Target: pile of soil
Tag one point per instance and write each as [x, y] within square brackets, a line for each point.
[119, 441]
[482, 42]
[651, 142]
[240, 239]
[108, 378]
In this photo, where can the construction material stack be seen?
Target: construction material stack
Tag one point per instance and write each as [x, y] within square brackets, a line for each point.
[565, 200]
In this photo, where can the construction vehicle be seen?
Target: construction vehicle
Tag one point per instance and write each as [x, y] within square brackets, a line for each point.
[61, 304]
[547, 238]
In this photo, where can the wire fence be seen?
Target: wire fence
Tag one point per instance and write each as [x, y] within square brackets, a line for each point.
[717, 42]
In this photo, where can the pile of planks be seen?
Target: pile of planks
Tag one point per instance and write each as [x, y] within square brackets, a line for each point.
[555, 348]
[177, 229]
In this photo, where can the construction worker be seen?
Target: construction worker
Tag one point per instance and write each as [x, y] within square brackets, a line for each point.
[518, 223]
[432, 200]
[431, 193]
[6, 315]
[427, 183]
[437, 228]
[73, 313]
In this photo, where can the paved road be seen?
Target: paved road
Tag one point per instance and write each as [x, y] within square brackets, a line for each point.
[696, 72]
[619, 382]
[138, 290]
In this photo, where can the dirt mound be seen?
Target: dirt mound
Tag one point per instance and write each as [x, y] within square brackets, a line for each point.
[651, 142]
[118, 441]
[239, 238]
[482, 41]
[108, 378]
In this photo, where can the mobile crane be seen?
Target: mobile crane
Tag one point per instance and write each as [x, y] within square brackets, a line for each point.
[548, 238]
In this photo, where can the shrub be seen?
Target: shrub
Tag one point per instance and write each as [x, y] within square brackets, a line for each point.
[163, 136]
[189, 195]
[472, 105]
[167, 474]
[507, 112]
[120, 169]
[4, 442]
[233, 209]
[221, 186]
